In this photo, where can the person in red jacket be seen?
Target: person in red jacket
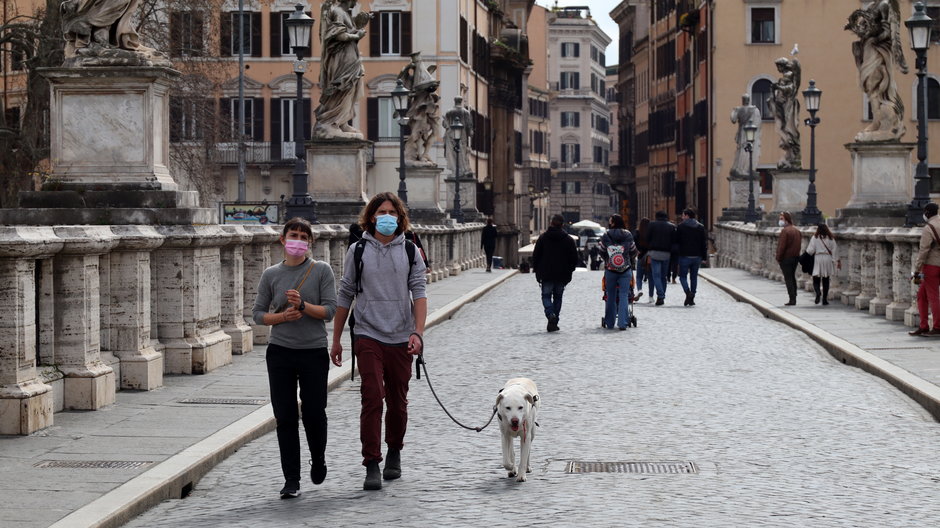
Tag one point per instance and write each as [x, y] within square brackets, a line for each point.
[788, 253]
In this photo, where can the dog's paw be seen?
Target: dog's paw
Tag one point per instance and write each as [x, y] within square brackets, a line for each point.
[521, 477]
[512, 473]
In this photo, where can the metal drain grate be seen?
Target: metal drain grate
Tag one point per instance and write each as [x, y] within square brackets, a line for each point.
[226, 401]
[575, 466]
[92, 464]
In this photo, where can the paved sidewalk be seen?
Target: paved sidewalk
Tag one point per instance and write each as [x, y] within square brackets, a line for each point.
[874, 344]
[157, 444]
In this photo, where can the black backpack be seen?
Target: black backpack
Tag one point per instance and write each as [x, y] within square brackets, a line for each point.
[410, 249]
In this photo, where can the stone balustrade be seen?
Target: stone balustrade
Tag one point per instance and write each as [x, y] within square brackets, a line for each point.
[876, 264]
[86, 311]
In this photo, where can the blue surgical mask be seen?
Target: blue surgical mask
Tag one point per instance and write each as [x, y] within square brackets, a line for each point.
[386, 224]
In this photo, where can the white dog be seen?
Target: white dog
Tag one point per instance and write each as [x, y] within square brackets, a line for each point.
[517, 408]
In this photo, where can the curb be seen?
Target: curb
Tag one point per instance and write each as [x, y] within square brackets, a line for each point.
[176, 476]
[925, 393]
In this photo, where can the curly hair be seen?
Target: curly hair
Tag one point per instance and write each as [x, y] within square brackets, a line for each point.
[367, 222]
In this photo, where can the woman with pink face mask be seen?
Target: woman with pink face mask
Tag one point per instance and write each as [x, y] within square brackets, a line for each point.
[296, 297]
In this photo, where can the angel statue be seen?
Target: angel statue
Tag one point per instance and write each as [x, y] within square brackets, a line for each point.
[785, 108]
[101, 33]
[341, 70]
[424, 111]
[877, 53]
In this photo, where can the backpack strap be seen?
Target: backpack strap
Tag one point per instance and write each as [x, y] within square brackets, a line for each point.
[410, 249]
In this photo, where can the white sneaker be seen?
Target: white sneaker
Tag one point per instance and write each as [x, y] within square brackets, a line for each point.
[650, 300]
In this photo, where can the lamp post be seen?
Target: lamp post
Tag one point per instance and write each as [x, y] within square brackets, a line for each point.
[301, 204]
[919, 27]
[811, 96]
[400, 100]
[457, 127]
[750, 132]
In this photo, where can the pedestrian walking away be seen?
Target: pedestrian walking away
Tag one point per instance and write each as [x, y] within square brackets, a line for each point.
[660, 239]
[391, 310]
[788, 253]
[692, 241]
[927, 271]
[619, 252]
[553, 260]
[295, 298]
[643, 266]
[488, 242]
[825, 250]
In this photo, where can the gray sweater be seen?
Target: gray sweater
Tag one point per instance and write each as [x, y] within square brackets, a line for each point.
[384, 307]
[318, 289]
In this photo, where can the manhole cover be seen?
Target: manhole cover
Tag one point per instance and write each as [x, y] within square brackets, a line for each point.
[92, 464]
[226, 401]
[574, 466]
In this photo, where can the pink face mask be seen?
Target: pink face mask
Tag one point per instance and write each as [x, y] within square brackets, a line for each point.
[295, 248]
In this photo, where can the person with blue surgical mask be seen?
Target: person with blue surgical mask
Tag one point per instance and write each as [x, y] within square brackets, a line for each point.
[390, 312]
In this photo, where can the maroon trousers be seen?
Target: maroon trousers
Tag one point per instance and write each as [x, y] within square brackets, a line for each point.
[928, 295]
[385, 371]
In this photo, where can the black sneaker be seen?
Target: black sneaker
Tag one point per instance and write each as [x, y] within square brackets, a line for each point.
[373, 476]
[552, 324]
[291, 489]
[317, 472]
[392, 468]
[659, 301]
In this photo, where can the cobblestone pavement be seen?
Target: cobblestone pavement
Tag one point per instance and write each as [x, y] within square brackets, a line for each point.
[782, 434]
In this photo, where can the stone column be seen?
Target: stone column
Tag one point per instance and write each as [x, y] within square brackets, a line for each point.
[257, 258]
[912, 313]
[26, 403]
[89, 383]
[141, 367]
[867, 270]
[852, 268]
[188, 304]
[884, 272]
[232, 260]
[901, 265]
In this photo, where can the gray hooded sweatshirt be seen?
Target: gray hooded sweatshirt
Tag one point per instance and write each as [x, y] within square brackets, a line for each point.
[384, 307]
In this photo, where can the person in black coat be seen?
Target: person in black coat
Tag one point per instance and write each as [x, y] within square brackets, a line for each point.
[488, 242]
[692, 242]
[660, 238]
[554, 260]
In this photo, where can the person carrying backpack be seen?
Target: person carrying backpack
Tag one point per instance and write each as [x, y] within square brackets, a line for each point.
[385, 274]
[618, 251]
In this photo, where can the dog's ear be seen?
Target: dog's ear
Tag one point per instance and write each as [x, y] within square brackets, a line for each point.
[529, 397]
[499, 397]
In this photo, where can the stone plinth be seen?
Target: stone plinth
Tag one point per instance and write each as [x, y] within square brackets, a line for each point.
[790, 188]
[424, 194]
[89, 383]
[468, 198]
[141, 366]
[110, 125]
[187, 289]
[26, 403]
[337, 180]
[882, 174]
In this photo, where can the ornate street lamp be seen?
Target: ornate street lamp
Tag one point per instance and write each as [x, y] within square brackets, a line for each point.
[919, 27]
[750, 132]
[811, 214]
[457, 127]
[301, 203]
[400, 101]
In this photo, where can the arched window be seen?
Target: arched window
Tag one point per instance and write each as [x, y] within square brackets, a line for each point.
[760, 97]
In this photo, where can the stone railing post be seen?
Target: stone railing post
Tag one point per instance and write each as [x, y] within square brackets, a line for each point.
[339, 245]
[188, 305]
[89, 383]
[257, 259]
[141, 366]
[884, 272]
[901, 265]
[26, 403]
[852, 266]
[866, 266]
[232, 262]
[912, 313]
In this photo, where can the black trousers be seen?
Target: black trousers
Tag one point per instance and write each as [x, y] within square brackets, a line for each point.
[788, 267]
[288, 368]
[825, 286]
[489, 256]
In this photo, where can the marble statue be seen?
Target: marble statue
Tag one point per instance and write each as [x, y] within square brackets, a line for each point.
[466, 119]
[101, 33]
[746, 114]
[424, 112]
[785, 108]
[877, 53]
[341, 70]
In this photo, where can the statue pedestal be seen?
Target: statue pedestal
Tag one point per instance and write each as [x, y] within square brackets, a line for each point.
[468, 197]
[790, 188]
[882, 185]
[337, 169]
[110, 126]
[739, 190]
[424, 194]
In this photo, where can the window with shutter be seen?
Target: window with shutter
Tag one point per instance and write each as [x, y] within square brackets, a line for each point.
[762, 25]
[463, 40]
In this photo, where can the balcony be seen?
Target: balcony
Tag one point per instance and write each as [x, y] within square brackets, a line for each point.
[265, 153]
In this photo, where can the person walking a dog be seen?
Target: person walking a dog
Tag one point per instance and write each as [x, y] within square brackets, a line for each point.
[304, 296]
[553, 260]
[388, 281]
